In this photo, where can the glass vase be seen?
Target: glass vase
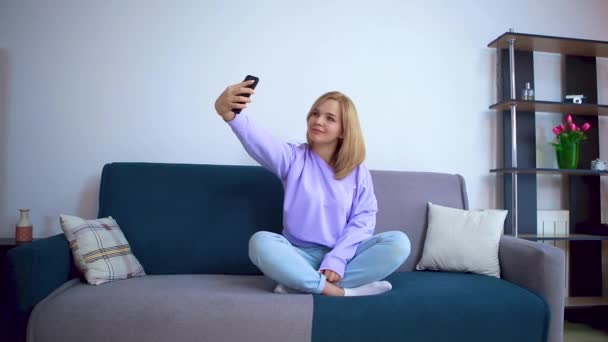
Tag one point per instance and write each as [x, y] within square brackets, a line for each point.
[567, 155]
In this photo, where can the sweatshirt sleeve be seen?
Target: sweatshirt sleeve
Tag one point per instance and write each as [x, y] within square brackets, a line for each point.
[271, 153]
[360, 227]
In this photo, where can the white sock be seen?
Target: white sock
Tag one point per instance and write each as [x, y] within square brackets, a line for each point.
[373, 288]
[282, 289]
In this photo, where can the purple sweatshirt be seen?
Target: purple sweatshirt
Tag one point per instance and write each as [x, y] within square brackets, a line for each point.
[317, 209]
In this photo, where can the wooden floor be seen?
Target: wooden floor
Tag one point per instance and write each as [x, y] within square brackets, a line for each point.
[583, 333]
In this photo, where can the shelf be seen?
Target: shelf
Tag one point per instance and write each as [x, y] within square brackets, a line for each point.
[11, 242]
[570, 172]
[585, 302]
[587, 244]
[567, 237]
[553, 107]
[562, 45]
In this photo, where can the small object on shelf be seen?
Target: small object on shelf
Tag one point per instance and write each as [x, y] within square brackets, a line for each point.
[599, 165]
[528, 93]
[24, 228]
[577, 99]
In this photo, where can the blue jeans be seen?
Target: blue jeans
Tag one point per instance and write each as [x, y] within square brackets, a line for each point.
[297, 267]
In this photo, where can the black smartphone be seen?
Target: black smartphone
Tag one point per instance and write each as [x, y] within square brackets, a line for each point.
[252, 86]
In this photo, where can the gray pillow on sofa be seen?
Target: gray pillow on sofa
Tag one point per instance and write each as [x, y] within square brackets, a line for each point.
[462, 240]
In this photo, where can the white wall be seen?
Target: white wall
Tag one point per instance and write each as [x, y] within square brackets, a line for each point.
[84, 83]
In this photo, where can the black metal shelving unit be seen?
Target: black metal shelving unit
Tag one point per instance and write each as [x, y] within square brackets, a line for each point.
[515, 66]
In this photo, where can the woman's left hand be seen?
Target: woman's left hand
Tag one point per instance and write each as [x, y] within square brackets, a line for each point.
[331, 276]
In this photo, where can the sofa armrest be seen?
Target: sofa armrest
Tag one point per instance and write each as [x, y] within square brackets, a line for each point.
[33, 271]
[540, 268]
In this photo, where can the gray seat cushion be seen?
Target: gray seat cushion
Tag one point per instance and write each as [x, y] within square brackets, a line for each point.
[197, 308]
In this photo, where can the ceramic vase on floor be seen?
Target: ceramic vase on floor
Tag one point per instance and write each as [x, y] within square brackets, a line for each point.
[24, 229]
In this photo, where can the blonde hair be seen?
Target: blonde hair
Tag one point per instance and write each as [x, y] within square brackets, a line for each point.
[350, 151]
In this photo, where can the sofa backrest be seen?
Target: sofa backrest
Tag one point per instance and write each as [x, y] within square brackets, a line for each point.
[189, 219]
[185, 218]
[403, 198]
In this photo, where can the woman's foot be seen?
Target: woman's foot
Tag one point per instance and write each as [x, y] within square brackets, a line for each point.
[282, 289]
[373, 288]
[332, 290]
[370, 289]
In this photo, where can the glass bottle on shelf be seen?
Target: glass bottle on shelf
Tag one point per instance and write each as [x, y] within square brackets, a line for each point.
[527, 93]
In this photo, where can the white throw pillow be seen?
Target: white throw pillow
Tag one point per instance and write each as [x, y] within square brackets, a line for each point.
[460, 240]
[101, 251]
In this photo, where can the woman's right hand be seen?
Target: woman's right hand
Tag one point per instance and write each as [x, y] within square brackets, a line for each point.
[230, 99]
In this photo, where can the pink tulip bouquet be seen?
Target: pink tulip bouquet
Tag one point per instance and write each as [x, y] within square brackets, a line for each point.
[569, 133]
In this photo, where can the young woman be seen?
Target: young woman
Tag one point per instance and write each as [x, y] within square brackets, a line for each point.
[329, 213]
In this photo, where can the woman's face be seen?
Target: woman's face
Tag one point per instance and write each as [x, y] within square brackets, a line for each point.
[325, 123]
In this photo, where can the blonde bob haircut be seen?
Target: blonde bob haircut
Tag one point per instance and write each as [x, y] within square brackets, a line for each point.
[350, 151]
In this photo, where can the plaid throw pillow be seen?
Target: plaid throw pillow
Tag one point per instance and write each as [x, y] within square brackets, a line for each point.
[101, 251]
